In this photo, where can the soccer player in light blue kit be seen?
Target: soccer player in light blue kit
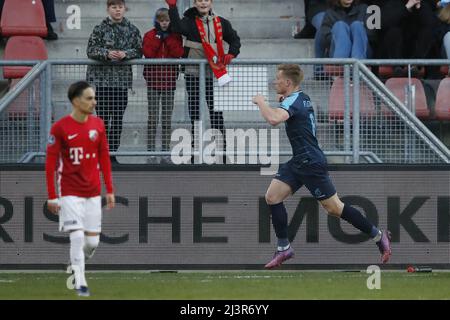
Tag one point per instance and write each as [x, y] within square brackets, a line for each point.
[308, 166]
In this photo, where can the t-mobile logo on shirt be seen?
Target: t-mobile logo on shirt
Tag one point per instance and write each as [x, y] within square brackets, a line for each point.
[76, 154]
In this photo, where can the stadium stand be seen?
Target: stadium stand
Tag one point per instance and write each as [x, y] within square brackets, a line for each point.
[265, 29]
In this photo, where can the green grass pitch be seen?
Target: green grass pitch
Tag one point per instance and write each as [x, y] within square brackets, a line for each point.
[228, 285]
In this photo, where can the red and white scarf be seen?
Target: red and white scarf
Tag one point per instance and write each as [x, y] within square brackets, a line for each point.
[214, 59]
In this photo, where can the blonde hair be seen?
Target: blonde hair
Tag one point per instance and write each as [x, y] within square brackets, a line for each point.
[293, 72]
[444, 14]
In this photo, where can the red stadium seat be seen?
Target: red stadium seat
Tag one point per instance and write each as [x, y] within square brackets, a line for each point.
[442, 107]
[23, 48]
[397, 86]
[23, 18]
[336, 102]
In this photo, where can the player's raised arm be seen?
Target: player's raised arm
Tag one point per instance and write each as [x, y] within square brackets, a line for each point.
[274, 116]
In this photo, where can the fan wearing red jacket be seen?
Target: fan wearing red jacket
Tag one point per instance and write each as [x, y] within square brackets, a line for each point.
[78, 150]
[161, 43]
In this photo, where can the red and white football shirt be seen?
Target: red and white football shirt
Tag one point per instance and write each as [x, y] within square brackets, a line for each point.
[80, 151]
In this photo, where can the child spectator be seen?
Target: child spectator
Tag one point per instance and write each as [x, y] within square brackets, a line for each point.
[114, 40]
[161, 42]
[197, 20]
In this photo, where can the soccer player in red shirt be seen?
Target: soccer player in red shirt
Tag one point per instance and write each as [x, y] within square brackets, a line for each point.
[78, 146]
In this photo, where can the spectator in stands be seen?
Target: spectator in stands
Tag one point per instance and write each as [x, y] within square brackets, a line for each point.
[314, 13]
[407, 31]
[199, 19]
[444, 28]
[49, 8]
[344, 30]
[116, 39]
[161, 42]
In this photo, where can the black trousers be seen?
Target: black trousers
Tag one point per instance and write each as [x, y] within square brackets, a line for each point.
[111, 105]
[410, 37]
[216, 117]
[192, 87]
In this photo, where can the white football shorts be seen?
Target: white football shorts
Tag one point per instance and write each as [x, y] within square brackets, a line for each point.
[80, 214]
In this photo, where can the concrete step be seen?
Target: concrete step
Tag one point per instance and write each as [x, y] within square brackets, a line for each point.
[270, 28]
[277, 48]
[226, 8]
[67, 48]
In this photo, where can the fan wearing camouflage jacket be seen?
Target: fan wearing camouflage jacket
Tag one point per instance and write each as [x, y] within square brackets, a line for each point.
[114, 40]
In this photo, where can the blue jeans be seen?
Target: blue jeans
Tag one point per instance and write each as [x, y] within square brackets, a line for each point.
[317, 23]
[349, 41]
[447, 44]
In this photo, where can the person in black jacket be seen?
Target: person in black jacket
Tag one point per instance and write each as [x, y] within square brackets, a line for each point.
[344, 30]
[407, 30]
[194, 49]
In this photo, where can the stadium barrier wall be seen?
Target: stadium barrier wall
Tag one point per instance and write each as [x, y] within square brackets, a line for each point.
[215, 217]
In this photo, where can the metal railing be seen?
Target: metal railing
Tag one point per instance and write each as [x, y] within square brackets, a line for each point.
[377, 128]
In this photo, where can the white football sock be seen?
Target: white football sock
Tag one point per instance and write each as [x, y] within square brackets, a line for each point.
[77, 257]
[90, 244]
